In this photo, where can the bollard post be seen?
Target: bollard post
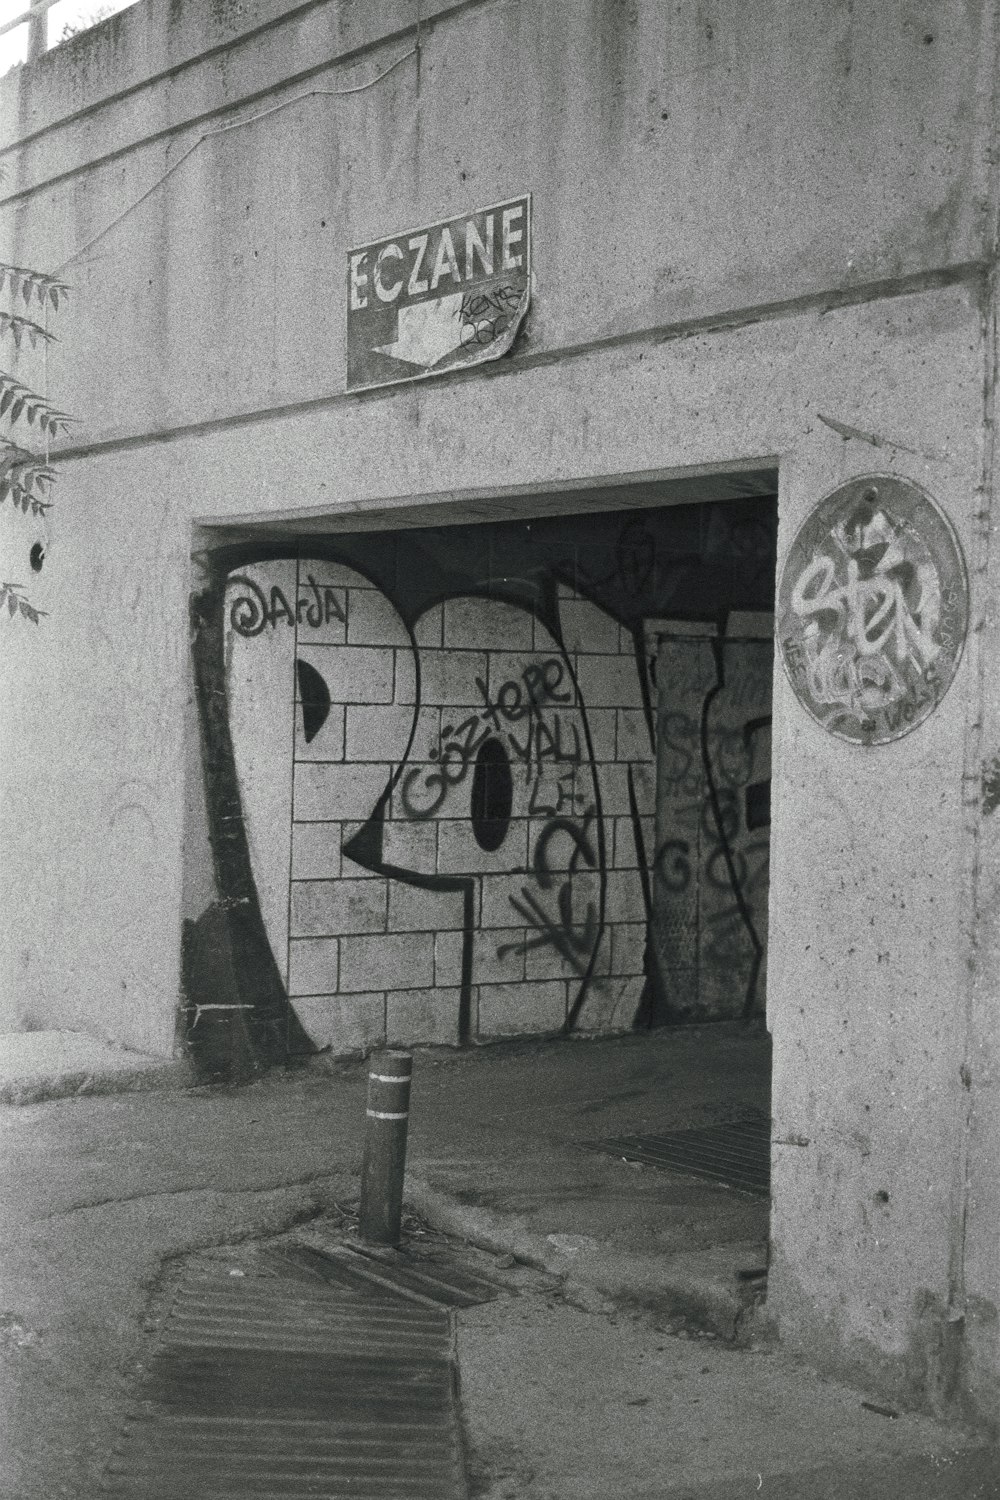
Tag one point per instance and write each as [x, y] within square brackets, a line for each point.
[386, 1122]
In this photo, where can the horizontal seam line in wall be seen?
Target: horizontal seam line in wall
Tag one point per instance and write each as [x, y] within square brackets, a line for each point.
[825, 301]
[337, 60]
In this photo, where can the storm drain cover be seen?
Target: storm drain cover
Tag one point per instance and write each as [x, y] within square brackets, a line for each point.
[736, 1155]
[430, 1280]
[264, 1388]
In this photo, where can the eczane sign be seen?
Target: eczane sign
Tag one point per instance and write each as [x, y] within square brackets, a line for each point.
[438, 298]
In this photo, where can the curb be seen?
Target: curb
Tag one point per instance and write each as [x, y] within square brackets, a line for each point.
[675, 1286]
[34, 1088]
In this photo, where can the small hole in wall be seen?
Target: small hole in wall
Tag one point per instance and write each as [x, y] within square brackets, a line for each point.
[492, 795]
[882, 1196]
[36, 557]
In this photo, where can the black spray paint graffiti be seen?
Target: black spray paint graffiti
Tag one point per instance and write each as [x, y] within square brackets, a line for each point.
[706, 777]
[315, 696]
[515, 701]
[254, 610]
[725, 944]
[528, 732]
[633, 562]
[575, 943]
[486, 316]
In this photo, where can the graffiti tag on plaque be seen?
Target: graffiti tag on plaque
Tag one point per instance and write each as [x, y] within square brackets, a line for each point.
[873, 609]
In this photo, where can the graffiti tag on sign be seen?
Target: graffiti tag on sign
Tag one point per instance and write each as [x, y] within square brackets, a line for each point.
[429, 300]
[873, 608]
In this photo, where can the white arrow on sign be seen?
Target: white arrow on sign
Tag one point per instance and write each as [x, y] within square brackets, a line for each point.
[427, 332]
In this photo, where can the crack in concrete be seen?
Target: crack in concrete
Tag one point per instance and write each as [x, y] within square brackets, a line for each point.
[876, 440]
[254, 1190]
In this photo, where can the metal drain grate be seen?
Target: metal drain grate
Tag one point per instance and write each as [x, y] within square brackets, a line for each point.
[428, 1280]
[736, 1155]
[263, 1389]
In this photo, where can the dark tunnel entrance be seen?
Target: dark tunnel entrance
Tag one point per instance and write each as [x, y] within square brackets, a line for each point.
[525, 789]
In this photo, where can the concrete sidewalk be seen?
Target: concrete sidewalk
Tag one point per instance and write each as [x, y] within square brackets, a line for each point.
[522, 1182]
[98, 1193]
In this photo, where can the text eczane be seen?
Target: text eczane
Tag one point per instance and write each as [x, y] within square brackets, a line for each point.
[431, 256]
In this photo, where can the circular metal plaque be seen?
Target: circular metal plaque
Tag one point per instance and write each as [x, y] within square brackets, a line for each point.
[873, 608]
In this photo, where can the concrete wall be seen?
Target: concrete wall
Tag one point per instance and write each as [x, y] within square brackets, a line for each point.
[750, 219]
[684, 163]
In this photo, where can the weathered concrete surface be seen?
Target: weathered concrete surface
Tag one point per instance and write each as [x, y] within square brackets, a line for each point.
[857, 873]
[746, 177]
[567, 1403]
[717, 399]
[521, 1183]
[684, 164]
[40, 1065]
[97, 1191]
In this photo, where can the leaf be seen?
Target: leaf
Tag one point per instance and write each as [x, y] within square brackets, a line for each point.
[17, 409]
[5, 401]
[18, 327]
[12, 604]
[28, 282]
[12, 453]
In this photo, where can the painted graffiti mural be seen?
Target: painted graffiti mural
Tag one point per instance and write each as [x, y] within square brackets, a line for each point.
[521, 760]
[873, 609]
[710, 870]
[437, 766]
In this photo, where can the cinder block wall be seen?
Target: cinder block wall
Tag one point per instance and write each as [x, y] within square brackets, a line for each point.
[541, 919]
